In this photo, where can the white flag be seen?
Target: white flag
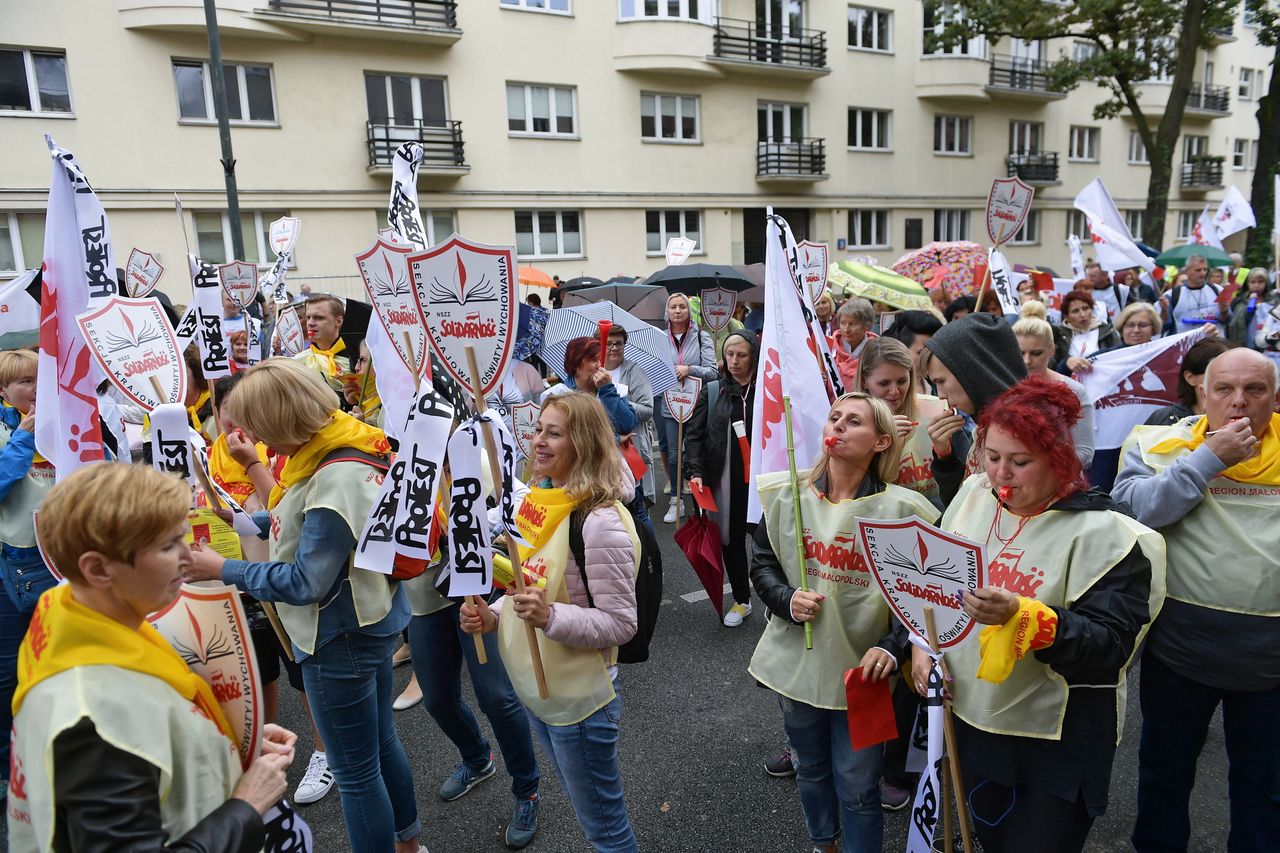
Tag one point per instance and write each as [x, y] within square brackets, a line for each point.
[1112, 243]
[1002, 281]
[1234, 214]
[926, 822]
[1077, 257]
[1204, 232]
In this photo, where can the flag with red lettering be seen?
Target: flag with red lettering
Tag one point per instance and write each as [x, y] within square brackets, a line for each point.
[79, 274]
[1205, 232]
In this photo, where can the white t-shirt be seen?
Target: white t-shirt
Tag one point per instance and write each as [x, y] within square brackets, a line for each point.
[1200, 303]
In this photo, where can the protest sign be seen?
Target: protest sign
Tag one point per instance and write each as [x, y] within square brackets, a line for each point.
[524, 419]
[215, 354]
[926, 821]
[470, 555]
[1001, 275]
[186, 330]
[919, 566]
[717, 307]
[171, 440]
[678, 250]
[132, 342]
[283, 236]
[387, 281]
[681, 399]
[811, 267]
[403, 215]
[289, 334]
[141, 274]
[1007, 206]
[240, 281]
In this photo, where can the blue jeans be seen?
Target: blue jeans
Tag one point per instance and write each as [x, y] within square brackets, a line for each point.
[668, 441]
[585, 758]
[349, 685]
[25, 577]
[1176, 713]
[837, 784]
[439, 648]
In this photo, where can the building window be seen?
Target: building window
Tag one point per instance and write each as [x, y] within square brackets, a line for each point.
[548, 234]
[1250, 18]
[541, 110]
[438, 224]
[661, 225]
[688, 10]
[950, 224]
[1159, 54]
[1194, 147]
[1083, 144]
[1244, 87]
[538, 5]
[1083, 51]
[668, 118]
[1240, 154]
[250, 94]
[869, 129]
[1029, 233]
[213, 236]
[400, 100]
[1133, 220]
[34, 81]
[21, 241]
[936, 20]
[870, 29]
[1078, 225]
[1137, 150]
[1186, 223]
[868, 229]
[952, 135]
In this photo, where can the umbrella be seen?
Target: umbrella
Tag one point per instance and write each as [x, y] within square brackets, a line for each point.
[535, 277]
[699, 539]
[692, 279]
[878, 284]
[531, 325]
[579, 283]
[622, 279]
[957, 261]
[648, 347]
[1178, 257]
[648, 302]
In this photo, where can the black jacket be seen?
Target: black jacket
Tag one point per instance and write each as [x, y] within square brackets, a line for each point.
[707, 433]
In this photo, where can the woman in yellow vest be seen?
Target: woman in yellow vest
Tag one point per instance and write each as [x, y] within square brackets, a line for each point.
[342, 620]
[582, 612]
[852, 625]
[1073, 584]
[116, 742]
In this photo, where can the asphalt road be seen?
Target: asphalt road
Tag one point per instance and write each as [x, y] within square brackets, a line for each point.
[695, 732]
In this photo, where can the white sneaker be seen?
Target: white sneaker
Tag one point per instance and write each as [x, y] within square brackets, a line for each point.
[737, 614]
[316, 782]
[673, 512]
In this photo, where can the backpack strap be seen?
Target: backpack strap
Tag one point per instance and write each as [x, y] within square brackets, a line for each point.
[578, 549]
[350, 454]
[713, 394]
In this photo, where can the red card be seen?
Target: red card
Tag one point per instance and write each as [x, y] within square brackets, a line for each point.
[634, 460]
[703, 498]
[871, 719]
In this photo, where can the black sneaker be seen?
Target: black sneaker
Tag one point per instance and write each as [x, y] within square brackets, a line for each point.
[893, 798]
[782, 766]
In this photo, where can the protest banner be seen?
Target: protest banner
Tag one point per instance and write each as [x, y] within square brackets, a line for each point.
[1000, 274]
[215, 353]
[812, 267]
[930, 799]
[680, 402]
[470, 555]
[403, 215]
[141, 274]
[20, 307]
[289, 335]
[524, 416]
[717, 307]
[1113, 245]
[1008, 202]
[388, 282]
[678, 250]
[239, 281]
[133, 344]
[171, 440]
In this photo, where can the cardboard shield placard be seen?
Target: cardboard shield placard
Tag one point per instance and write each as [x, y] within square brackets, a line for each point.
[289, 333]
[681, 399]
[524, 418]
[284, 234]
[1007, 206]
[239, 281]
[141, 274]
[467, 295]
[811, 266]
[918, 565]
[678, 250]
[207, 627]
[132, 342]
[717, 307]
[390, 288]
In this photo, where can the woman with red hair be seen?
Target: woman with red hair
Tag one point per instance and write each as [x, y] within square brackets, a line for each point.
[1083, 332]
[1072, 585]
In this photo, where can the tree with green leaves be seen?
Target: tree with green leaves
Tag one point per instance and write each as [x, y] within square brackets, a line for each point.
[1132, 42]
[1259, 252]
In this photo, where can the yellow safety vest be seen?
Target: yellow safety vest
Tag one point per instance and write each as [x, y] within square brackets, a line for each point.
[916, 470]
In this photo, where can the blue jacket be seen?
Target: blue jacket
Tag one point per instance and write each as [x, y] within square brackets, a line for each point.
[621, 413]
[17, 455]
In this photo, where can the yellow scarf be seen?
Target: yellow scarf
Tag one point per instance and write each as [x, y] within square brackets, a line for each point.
[1260, 470]
[64, 634]
[540, 515]
[194, 412]
[230, 474]
[36, 458]
[331, 363]
[342, 431]
[1034, 626]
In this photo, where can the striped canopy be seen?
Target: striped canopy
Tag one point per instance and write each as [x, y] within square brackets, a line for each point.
[647, 346]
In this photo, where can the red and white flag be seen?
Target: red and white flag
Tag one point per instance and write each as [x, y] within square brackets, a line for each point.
[1112, 243]
[1204, 232]
[1234, 214]
[79, 274]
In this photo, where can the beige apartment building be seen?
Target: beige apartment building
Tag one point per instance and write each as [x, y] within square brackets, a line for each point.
[584, 132]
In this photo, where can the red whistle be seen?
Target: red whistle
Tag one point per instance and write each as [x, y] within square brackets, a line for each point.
[605, 327]
[1003, 492]
[829, 441]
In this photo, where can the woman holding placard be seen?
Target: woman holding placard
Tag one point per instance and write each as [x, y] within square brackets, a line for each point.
[851, 623]
[1073, 584]
[694, 354]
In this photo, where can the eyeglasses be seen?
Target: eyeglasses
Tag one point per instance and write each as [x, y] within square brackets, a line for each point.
[1138, 324]
[615, 344]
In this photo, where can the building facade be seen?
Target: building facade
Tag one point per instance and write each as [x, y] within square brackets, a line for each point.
[584, 132]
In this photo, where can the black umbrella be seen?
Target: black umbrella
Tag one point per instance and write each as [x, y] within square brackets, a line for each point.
[692, 279]
[579, 283]
[623, 279]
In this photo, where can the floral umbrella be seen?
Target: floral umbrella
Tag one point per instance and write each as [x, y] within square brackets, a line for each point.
[946, 265]
[878, 285]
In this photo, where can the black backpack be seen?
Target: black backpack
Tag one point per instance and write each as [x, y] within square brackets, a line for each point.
[648, 584]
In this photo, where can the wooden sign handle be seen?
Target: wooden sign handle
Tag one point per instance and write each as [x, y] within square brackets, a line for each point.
[953, 758]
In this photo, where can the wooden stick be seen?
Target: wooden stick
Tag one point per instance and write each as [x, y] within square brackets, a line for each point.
[949, 735]
[679, 469]
[796, 512]
[948, 834]
[516, 569]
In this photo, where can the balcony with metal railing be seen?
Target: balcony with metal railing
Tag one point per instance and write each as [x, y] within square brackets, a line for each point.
[1209, 101]
[1038, 169]
[441, 143]
[743, 46]
[1222, 35]
[1021, 78]
[798, 161]
[420, 21]
[1202, 174]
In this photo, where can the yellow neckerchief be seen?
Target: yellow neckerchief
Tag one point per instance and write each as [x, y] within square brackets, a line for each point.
[1260, 470]
[230, 474]
[36, 458]
[65, 634]
[539, 516]
[194, 412]
[328, 355]
[341, 431]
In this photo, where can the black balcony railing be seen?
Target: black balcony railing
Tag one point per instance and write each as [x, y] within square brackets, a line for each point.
[441, 142]
[1228, 32]
[1214, 99]
[1038, 168]
[797, 158]
[415, 13]
[1205, 174]
[1015, 72]
[743, 40]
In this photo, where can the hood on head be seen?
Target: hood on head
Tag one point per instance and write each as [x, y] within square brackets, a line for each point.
[982, 352]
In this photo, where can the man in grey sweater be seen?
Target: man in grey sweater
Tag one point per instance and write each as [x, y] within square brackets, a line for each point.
[1211, 486]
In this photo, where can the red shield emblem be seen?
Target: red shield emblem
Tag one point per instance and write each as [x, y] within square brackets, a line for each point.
[239, 281]
[524, 417]
[390, 289]
[132, 342]
[141, 274]
[1007, 206]
[717, 307]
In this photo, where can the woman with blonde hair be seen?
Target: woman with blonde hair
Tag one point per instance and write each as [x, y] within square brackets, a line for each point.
[1036, 341]
[851, 623]
[580, 571]
[342, 620]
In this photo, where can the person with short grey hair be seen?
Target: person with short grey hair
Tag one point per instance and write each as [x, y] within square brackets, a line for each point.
[853, 326]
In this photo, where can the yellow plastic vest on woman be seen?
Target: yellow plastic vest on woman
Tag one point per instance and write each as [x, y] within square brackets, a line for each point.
[1055, 558]
[854, 615]
[916, 470]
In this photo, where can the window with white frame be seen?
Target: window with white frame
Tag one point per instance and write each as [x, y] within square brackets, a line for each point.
[561, 6]
[870, 29]
[952, 135]
[1240, 154]
[541, 110]
[250, 92]
[661, 225]
[1078, 224]
[34, 81]
[1133, 220]
[213, 236]
[868, 129]
[936, 20]
[950, 224]
[1137, 148]
[548, 233]
[688, 10]
[1083, 51]
[1194, 147]
[438, 224]
[1082, 144]
[1186, 223]
[1158, 52]
[1244, 86]
[21, 241]
[1029, 233]
[668, 118]
[1250, 18]
[868, 229]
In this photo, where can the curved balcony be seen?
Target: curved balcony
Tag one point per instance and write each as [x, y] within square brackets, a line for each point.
[1019, 78]
[1204, 103]
[743, 47]
[798, 161]
[663, 46]
[953, 78]
[236, 18]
